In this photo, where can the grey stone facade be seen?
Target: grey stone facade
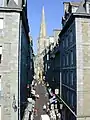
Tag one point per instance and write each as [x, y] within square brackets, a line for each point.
[74, 59]
[15, 60]
[9, 40]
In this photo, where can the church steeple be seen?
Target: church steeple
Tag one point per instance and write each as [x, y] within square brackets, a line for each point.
[43, 25]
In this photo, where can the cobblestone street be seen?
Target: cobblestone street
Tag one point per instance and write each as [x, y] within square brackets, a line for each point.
[41, 90]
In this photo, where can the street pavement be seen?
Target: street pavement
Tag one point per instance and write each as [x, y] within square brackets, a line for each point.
[43, 99]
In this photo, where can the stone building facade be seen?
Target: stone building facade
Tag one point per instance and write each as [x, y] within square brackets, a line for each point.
[52, 71]
[14, 58]
[74, 60]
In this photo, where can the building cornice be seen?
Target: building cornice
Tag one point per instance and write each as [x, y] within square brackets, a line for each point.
[7, 9]
[71, 19]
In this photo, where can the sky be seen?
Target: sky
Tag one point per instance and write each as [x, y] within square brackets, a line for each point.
[53, 16]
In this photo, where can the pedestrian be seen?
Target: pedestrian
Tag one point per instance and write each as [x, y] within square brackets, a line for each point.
[30, 113]
[48, 111]
[44, 107]
[35, 112]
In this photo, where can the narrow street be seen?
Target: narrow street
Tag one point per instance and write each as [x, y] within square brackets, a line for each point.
[43, 99]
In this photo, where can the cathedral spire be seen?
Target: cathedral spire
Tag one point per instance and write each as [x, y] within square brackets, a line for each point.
[43, 25]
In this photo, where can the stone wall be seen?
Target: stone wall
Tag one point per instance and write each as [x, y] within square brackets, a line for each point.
[83, 67]
[9, 40]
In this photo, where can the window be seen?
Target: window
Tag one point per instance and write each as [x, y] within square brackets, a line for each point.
[72, 99]
[63, 42]
[67, 41]
[67, 59]
[72, 57]
[72, 78]
[31, 65]
[67, 96]
[71, 37]
[67, 77]
[0, 53]
[1, 23]
[63, 78]
[63, 60]
[31, 54]
[46, 67]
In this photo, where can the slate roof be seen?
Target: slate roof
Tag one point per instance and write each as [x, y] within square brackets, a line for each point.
[12, 4]
[81, 8]
[75, 4]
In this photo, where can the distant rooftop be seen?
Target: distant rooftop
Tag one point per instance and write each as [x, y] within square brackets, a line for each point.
[72, 3]
[75, 4]
[56, 30]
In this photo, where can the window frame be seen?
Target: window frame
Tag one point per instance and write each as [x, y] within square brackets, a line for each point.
[72, 99]
[72, 78]
[67, 59]
[67, 75]
[72, 59]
